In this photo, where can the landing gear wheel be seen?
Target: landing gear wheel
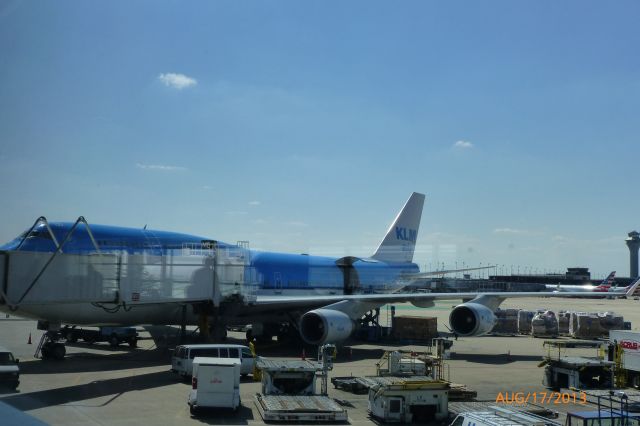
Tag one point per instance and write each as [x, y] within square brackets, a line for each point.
[133, 343]
[219, 333]
[58, 351]
[46, 351]
[193, 410]
[113, 341]
[71, 337]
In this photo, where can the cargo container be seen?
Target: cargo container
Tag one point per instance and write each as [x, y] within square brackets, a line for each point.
[215, 383]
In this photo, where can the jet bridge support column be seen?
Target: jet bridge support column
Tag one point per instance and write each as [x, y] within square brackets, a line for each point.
[183, 324]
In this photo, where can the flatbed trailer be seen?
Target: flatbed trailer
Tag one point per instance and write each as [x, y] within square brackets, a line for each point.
[289, 390]
[299, 408]
[361, 385]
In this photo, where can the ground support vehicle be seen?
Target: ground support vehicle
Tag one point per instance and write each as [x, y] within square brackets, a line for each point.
[215, 384]
[289, 391]
[114, 335]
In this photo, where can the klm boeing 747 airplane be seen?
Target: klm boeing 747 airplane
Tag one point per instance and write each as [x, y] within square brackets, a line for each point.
[73, 273]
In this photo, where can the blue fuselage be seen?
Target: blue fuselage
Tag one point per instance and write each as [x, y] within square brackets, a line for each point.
[273, 272]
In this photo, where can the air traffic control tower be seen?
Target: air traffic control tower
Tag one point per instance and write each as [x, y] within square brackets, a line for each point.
[633, 242]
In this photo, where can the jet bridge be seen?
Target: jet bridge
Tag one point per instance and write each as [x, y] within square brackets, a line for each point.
[114, 273]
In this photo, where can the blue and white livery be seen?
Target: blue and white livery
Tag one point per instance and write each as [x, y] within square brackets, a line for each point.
[66, 273]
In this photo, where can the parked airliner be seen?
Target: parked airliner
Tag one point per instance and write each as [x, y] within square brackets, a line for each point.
[605, 286]
[322, 298]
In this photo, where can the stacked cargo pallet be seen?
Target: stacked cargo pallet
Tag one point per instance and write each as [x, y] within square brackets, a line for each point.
[564, 318]
[584, 325]
[525, 319]
[579, 325]
[544, 324]
[506, 322]
[414, 328]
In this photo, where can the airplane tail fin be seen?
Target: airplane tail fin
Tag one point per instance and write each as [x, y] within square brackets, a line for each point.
[399, 243]
[608, 282]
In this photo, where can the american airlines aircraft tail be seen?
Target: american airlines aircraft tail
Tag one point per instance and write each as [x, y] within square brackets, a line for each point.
[398, 245]
[607, 283]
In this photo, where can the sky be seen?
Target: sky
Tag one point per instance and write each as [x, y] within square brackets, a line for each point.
[305, 126]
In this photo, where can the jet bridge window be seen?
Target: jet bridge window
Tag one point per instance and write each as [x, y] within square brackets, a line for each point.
[234, 353]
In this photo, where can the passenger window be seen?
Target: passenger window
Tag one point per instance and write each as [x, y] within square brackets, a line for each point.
[213, 353]
[234, 353]
[224, 353]
[246, 353]
[199, 352]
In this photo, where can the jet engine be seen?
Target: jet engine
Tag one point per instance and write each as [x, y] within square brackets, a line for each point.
[471, 319]
[322, 326]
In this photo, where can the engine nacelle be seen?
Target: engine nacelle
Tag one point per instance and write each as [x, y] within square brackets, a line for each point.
[322, 326]
[471, 319]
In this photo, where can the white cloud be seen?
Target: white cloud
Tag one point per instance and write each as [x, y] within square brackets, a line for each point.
[510, 231]
[463, 145]
[254, 203]
[160, 167]
[177, 81]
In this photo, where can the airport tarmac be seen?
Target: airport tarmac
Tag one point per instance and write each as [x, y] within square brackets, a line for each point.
[98, 385]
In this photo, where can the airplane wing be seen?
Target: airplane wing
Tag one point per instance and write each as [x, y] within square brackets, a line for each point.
[332, 317]
[320, 300]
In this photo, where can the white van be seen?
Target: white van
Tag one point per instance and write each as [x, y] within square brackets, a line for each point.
[215, 383]
[183, 355]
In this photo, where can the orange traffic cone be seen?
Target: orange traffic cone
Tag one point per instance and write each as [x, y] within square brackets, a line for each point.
[304, 355]
[29, 341]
